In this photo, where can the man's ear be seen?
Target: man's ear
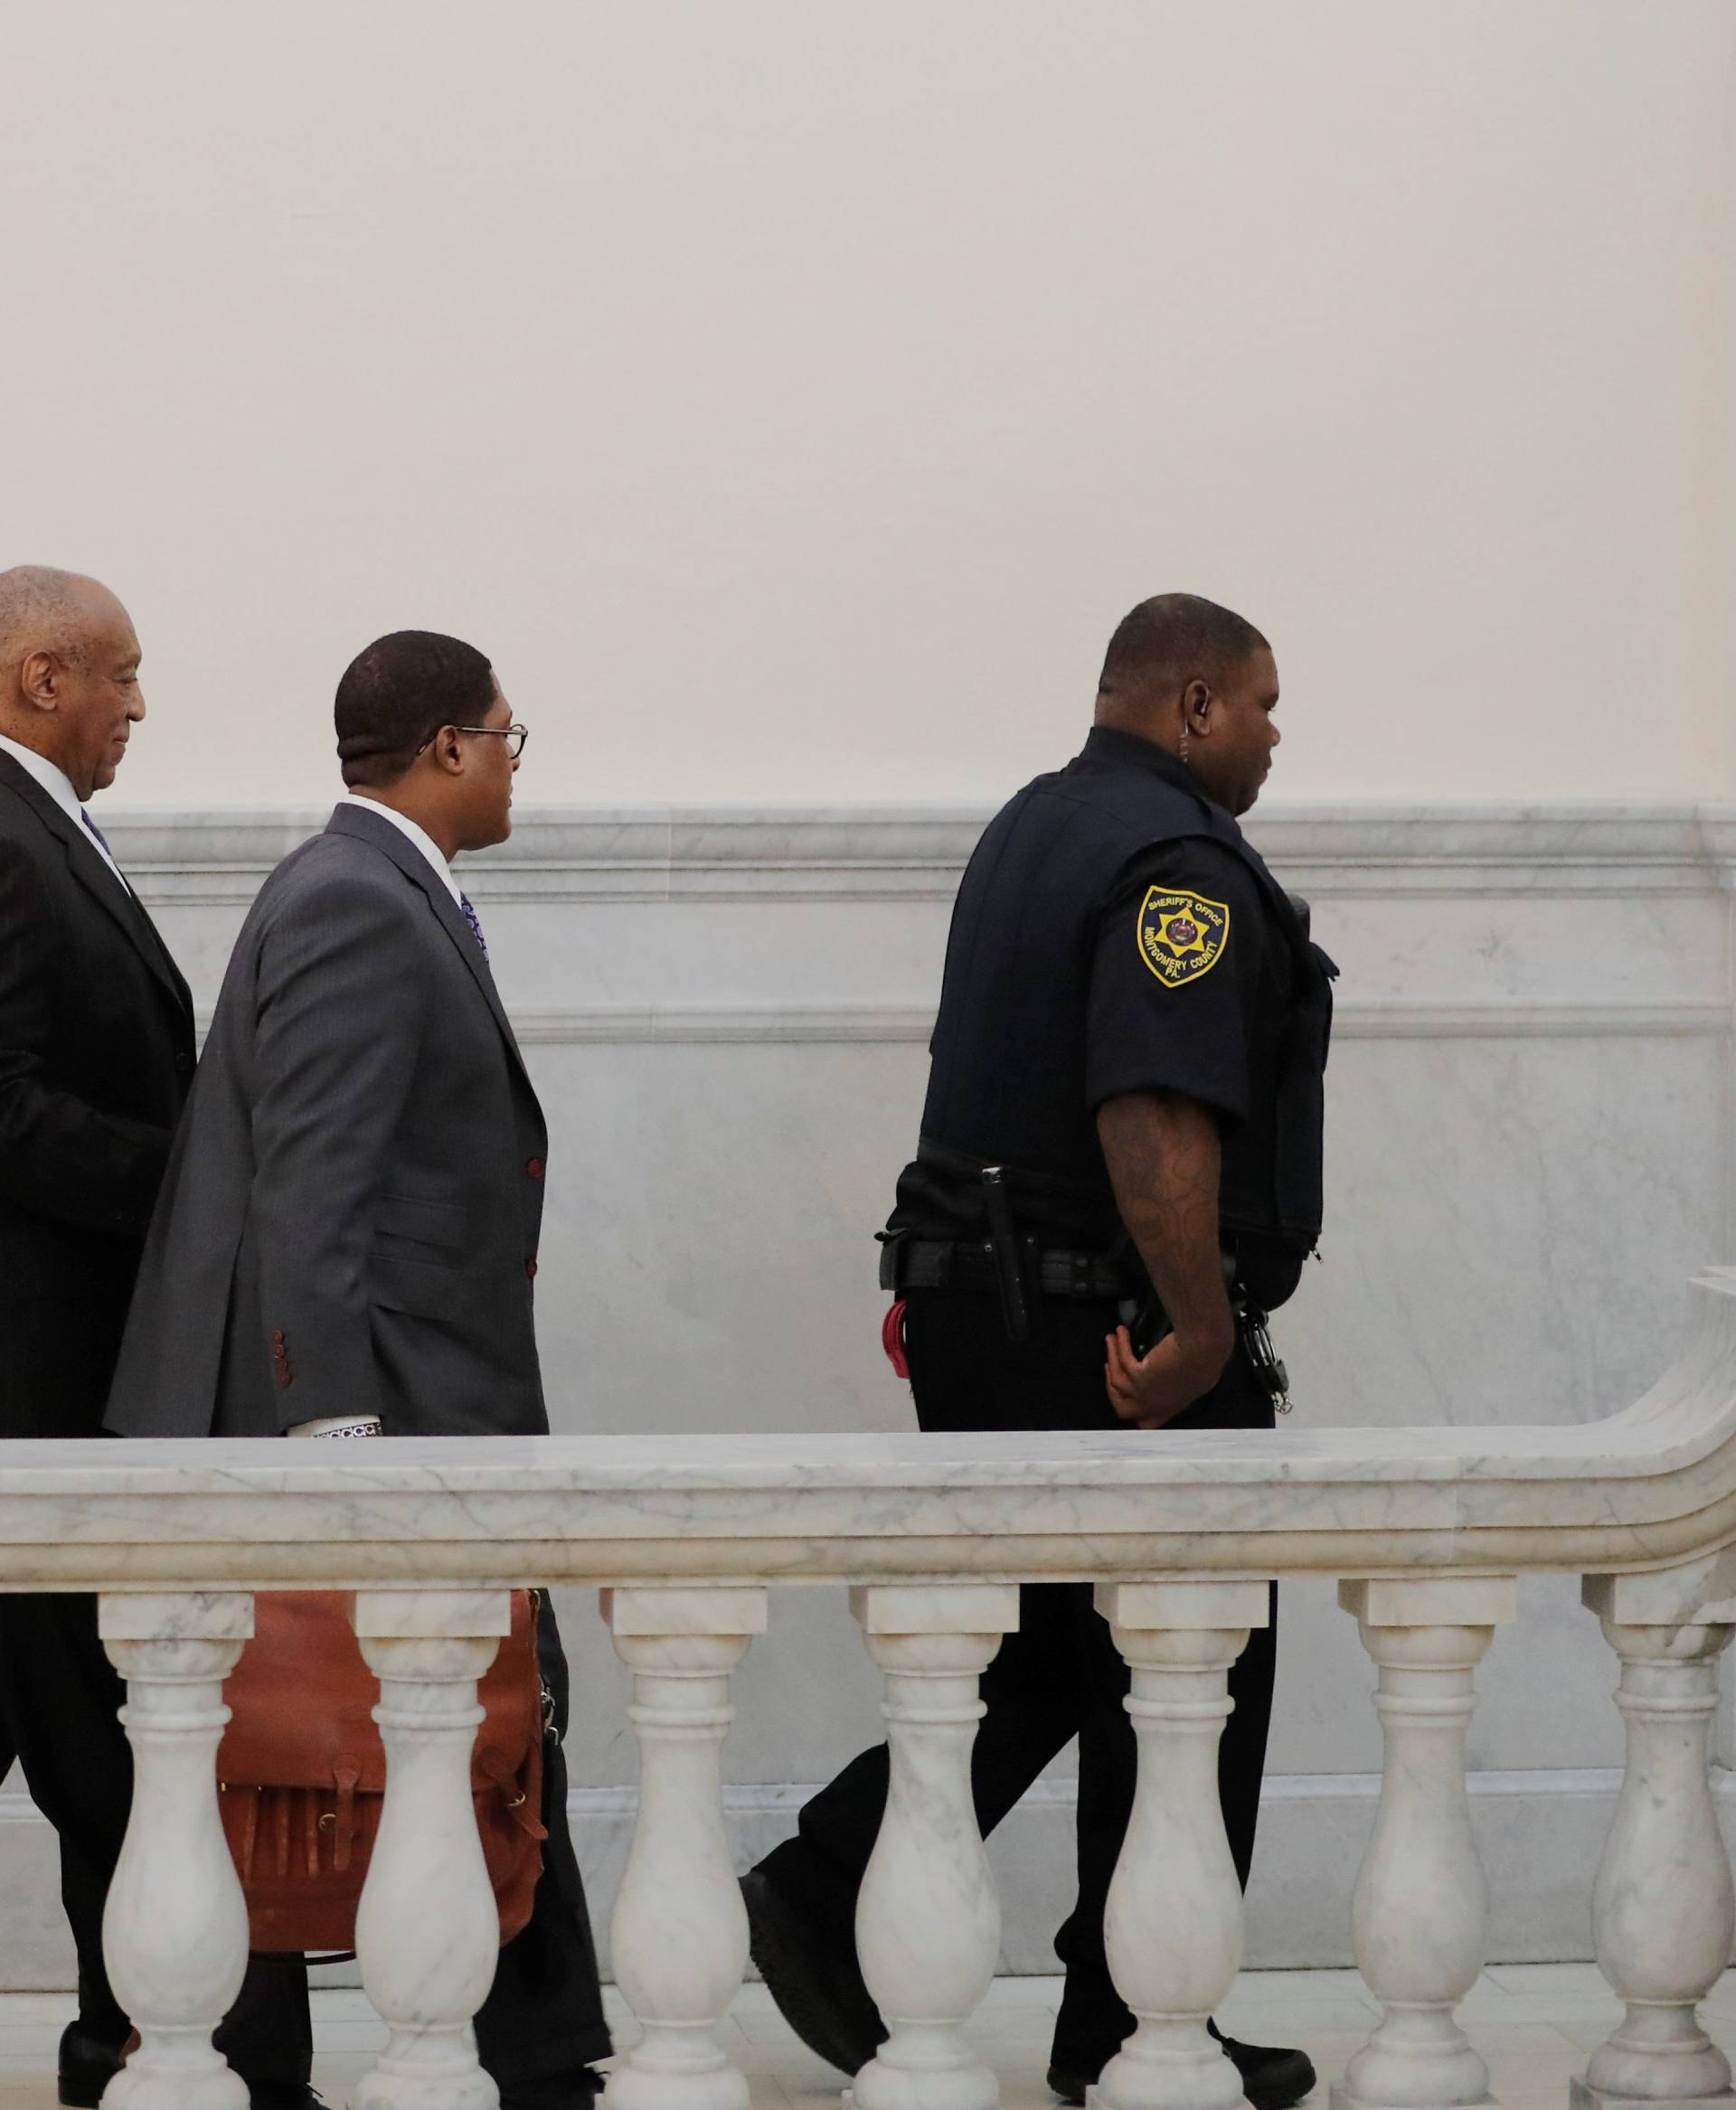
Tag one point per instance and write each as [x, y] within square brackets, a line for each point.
[39, 679]
[448, 750]
[1196, 705]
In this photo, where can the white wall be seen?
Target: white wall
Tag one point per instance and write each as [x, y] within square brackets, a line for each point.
[790, 396]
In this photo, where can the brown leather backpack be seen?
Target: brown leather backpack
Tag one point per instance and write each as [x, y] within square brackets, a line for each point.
[302, 1771]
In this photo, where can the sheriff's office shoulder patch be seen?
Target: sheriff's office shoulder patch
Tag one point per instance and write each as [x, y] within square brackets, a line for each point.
[1182, 936]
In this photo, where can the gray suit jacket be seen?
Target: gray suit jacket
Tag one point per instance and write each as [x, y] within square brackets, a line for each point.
[349, 1221]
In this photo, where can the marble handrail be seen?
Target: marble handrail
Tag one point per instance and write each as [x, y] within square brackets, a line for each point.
[1652, 1487]
[1426, 1530]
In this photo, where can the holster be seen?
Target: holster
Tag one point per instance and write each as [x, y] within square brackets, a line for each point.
[1015, 1293]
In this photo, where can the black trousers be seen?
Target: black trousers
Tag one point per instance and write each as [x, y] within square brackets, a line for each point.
[1059, 1677]
[60, 1698]
[544, 2018]
[59, 1707]
[59, 1694]
[59, 1701]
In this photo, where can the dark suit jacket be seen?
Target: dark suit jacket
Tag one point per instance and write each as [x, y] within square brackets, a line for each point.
[96, 1055]
[349, 1221]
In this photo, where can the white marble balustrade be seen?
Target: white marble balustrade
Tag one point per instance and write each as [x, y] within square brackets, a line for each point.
[1425, 1529]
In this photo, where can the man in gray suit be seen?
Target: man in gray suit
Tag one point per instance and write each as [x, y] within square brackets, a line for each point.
[348, 1229]
[348, 1224]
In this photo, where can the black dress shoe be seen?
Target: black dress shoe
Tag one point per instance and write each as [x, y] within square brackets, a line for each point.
[575, 2091]
[87, 2065]
[1272, 2077]
[816, 1982]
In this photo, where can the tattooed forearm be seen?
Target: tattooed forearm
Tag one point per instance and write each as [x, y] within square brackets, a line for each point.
[1164, 1159]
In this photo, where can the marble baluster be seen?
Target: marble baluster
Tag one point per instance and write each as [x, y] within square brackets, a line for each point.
[427, 1932]
[175, 1929]
[1173, 1927]
[679, 1934]
[1420, 1911]
[1662, 1911]
[927, 1921]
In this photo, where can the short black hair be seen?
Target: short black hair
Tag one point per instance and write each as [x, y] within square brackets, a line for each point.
[1176, 638]
[397, 693]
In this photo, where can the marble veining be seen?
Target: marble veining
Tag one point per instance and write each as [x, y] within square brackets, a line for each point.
[1654, 1486]
[655, 850]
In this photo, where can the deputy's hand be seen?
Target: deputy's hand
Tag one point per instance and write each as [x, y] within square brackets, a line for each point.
[1152, 1389]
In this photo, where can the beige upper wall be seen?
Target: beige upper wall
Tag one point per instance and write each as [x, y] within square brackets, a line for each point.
[790, 396]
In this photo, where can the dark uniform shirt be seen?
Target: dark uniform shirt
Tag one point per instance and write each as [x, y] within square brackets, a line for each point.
[1114, 933]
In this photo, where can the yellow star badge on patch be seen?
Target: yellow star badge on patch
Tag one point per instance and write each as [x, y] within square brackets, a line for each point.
[1182, 936]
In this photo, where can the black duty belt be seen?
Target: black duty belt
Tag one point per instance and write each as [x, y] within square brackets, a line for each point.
[907, 1263]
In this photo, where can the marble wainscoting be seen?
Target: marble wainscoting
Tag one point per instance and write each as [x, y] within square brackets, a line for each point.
[1530, 1150]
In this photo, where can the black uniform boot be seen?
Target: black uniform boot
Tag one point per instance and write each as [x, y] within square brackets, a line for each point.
[817, 1985]
[1273, 2077]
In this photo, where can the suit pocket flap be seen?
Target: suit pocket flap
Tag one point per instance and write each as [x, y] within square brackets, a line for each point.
[400, 1282]
[407, 1219]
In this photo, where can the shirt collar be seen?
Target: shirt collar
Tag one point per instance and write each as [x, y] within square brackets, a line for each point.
[53, 779]
[419, 836]
[1106, 747]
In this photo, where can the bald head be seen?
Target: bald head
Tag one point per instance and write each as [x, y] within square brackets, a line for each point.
[68, 672]
[43, 609]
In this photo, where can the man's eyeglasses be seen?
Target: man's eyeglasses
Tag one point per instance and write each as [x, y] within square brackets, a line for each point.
[514, 736]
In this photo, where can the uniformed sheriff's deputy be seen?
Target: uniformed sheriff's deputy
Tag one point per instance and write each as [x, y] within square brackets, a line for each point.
[1118, 1175]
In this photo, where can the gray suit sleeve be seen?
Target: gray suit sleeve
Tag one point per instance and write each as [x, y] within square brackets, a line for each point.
[339, 1019]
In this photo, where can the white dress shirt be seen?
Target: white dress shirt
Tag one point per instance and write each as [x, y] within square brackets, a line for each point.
[54, 780]
[421, 837]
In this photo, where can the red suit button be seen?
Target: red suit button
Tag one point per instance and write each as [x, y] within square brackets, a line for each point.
[534, 1168]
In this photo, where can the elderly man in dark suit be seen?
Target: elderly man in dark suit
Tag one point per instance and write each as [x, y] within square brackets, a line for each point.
[96, 1056]
[348, 1225]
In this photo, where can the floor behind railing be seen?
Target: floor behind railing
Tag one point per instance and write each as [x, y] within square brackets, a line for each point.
[1535, 2023]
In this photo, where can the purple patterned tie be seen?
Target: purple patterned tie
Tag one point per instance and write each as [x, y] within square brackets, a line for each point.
[475, 922]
